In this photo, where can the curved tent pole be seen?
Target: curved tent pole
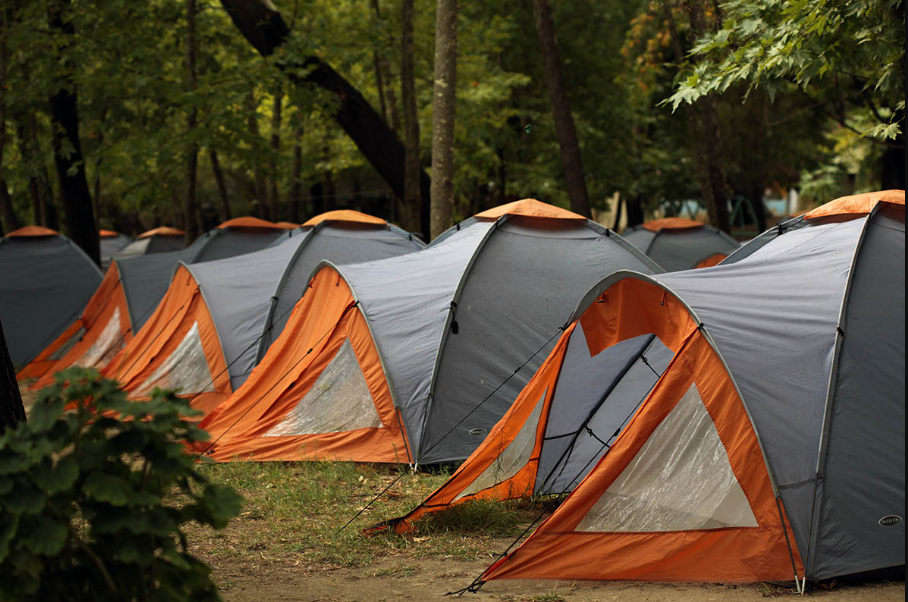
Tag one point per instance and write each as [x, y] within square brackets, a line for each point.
[831, 397]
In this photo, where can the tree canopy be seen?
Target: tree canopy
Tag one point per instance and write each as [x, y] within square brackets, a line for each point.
[807, 95]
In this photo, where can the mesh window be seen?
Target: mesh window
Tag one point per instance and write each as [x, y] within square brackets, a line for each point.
[679, 480]
[514, 457]
[105, 346]
[185, 370]
[338, 401]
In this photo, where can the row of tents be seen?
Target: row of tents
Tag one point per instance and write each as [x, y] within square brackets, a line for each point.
[710, 424]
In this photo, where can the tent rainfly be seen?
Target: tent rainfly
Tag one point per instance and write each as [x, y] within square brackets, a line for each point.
[740, 423]
[389, 361]
[676, 243]
[218, 318]
[45, 280]
[131, 289]
[111, 243]
[158, 240]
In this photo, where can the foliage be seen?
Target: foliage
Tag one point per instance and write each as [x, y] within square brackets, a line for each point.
[793, 64]
[852, 48]
[86, 497]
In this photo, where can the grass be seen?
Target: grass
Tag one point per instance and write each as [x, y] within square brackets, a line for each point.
[295, 510]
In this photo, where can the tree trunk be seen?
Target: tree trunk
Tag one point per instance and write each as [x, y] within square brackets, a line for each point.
[11, 409]
[190, 208]
[222, 185]
[10, 222]
[704, 131]
[561, 109]
[68, 159]
[412, 202]
[443, 103]
[273, 196]
[265, 30]
[634, 209]
[296, 171]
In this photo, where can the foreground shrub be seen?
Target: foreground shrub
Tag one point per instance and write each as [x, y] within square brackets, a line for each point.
[88, 492]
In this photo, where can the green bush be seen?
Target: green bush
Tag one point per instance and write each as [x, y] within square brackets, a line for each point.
[94, 492]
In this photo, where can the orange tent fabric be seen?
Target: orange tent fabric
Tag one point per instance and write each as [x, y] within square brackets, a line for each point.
[712, 260]
[32, 231]
[249, 426]
[248, 222]
[45, 360]
[345, 215]
[529, 208]
[857, 204]
[108, 233]
[288, 225]
[162, 231]
[181, 329]
[671, 223]
[108, 307]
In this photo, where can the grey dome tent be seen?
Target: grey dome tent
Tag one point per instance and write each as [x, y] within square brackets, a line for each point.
[681, 244]
[158, 240]
[45, 280]
[111, 243]
[741, 423]
[239, 305]
[414, 358]
[131, 289]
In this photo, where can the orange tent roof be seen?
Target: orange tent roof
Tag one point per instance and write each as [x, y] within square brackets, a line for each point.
[529, 208]
[287, 225]
[248, 222]
[671, 223]
[345, 215]
[162, 231]
[33, 231]
[858, 203]
[108, 233]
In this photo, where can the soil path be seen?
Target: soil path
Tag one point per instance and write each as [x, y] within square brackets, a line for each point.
[392, 579]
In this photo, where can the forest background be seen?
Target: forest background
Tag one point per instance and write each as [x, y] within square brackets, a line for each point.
[128, 115]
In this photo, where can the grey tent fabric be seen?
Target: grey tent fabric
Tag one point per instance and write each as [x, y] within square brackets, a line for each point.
[250, 297]
[862, 465]
[45, 281]
[810, 324]
[155, 243]
[682, 248]
[453, 322]
[145, 278]
[110, 245]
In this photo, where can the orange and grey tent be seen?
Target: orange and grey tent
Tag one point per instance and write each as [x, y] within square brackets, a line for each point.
[414, 358]
[158, 240]
[45, 280]
[739, 423]
[111, 243]
[131, 289]
[676, 243]
[218, 318]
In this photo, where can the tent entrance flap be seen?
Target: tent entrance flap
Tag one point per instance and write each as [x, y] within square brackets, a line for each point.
[338, 401]
[680, 480]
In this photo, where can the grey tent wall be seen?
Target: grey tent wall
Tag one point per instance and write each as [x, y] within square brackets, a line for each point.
[861, 465]
[45, 283]
[515, 297]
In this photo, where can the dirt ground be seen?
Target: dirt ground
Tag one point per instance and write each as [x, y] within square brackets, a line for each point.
[390, 579]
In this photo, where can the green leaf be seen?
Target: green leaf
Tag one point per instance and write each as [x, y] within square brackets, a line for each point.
[43, 537]
[24, 499]
[107, 488]
[56, 478]
[44, 414]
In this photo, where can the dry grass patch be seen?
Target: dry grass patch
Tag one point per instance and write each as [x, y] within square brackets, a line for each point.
[293, 514]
